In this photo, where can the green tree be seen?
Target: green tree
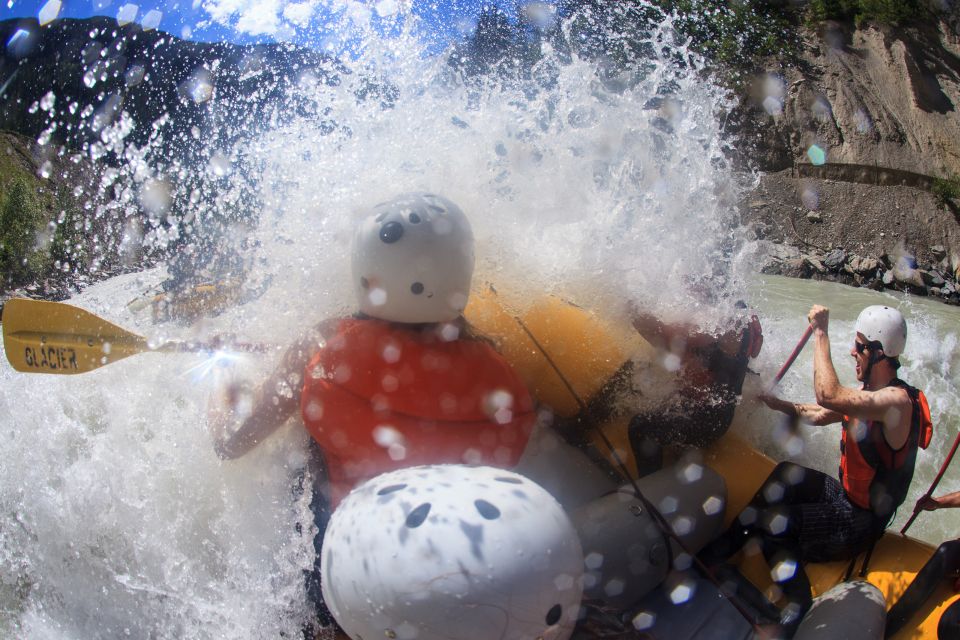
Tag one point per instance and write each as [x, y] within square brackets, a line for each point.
[20, 215]
[735, 33]
[67, 244]
[893, 12]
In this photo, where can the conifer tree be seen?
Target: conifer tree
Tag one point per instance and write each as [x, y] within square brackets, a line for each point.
[19, 217]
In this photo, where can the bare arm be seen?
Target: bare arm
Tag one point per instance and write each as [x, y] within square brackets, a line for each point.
[808, 413]
[239, 422]
[948, 501]
[890, 405]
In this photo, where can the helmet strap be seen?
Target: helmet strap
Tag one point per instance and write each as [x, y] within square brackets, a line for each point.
[874, 358]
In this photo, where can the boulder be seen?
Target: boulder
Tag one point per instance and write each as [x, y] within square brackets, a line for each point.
[835, 260]
[815, 262]
[909, 280]
[796, 268]
[862, 266]
[779, 251]
[931, 278]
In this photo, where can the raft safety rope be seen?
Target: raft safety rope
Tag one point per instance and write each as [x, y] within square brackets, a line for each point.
[665, 528]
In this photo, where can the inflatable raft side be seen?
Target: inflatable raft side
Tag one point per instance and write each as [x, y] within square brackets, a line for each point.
[589, 352]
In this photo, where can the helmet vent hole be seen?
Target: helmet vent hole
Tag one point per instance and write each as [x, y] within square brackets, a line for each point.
[418, 516]
[553, 616]
[393, 488]
[391, 232]
[417, 288]
[414, 218]
[486, 509]
[364, 283]
[510, 480]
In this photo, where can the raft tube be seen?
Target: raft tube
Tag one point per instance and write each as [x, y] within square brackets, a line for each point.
[854, 609]
[563, 470]
[626, 552]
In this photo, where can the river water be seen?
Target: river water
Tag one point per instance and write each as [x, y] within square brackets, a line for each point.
[117, 519]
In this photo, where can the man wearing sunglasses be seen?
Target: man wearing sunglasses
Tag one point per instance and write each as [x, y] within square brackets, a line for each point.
[802, 515]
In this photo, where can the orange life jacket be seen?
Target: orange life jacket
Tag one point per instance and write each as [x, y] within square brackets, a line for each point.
[379, 396]
[874, 475]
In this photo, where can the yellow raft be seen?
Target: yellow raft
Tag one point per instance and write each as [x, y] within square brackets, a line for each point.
[566, 355]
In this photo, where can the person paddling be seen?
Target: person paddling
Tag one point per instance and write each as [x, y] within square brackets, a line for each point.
[712, 370]
[404, 381]
[802, 514]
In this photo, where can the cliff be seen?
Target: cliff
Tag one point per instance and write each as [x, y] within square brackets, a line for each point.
[859, 148]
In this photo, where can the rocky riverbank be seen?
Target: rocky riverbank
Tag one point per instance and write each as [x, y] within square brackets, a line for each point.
[864, 235]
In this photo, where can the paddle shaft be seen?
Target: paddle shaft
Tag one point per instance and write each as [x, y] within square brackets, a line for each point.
[215, 345]
[793, 356]
[933, 486]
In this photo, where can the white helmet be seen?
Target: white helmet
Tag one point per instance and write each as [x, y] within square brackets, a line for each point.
[452, 552]
[413, 260]
[885, 325]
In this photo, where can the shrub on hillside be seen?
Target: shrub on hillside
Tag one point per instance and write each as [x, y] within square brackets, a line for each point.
[734, 33]
[947, 190]
[893, 12]
[21, 260]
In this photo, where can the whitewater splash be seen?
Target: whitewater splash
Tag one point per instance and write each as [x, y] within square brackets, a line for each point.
[573, 172]
[116, 517]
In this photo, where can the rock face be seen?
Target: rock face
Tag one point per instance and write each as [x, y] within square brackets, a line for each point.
[868, 121]
[883, 98]
[874, 96]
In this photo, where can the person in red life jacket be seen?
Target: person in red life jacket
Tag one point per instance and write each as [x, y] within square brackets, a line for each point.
[711, 369]
[802, 514]
[405, 381]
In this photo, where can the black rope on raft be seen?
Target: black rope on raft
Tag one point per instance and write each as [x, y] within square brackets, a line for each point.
[665, 528]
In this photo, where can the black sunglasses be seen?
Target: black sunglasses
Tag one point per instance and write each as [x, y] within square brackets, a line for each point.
[863, 346]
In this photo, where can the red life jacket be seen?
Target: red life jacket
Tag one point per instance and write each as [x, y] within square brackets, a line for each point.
[874, 475]
[379, 396]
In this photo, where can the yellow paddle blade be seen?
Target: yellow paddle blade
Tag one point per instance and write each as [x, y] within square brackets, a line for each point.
[52, 337]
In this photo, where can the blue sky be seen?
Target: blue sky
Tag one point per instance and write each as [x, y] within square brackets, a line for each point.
[249, 21]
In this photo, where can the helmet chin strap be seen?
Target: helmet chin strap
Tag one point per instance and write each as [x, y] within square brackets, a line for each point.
[875, 357]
